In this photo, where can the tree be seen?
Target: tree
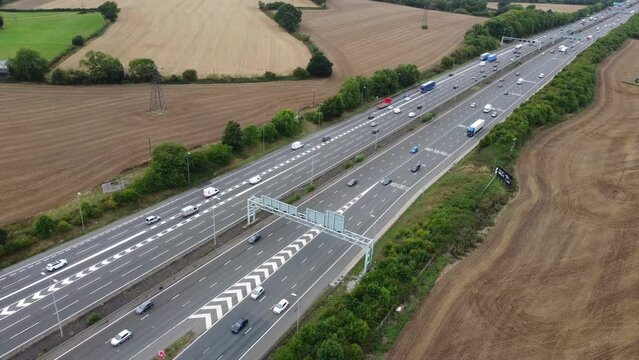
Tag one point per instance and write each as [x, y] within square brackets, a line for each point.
[28, 65]
[385, 82]
[103, 68]
[141, 69]
[269, 132]
[407, 74]
[285, 123]
[43, 226]
[300, 73]
[77, 40]
[351, 94]
[252, 135]
[109, 10]
[189, 75]
[319, 65]
[220, 155]
[332, 108]
[288, 17]
[3, 236]
[330, 349]
[168, 162]
[233, 136]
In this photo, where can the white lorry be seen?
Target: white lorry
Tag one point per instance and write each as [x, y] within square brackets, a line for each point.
[475, 127]
[488, 108]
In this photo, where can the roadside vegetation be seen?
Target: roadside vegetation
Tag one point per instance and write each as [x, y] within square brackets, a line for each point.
[443, 224]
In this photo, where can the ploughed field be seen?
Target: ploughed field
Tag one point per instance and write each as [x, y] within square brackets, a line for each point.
[567, 8]
[212, 37]
[58, 140]
[556, 278]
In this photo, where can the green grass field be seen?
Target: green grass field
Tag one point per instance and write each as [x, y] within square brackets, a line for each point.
[49, 33]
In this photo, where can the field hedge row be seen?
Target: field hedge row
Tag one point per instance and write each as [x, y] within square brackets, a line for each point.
[351, 323]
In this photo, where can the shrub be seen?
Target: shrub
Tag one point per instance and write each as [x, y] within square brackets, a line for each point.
[332, 108]
[77, 40]
[319, 65]
[28, 65]
[288, 17]
[63, 226]
[270, 133]
[3, 236]
[233, 136]
[169, 163]
[69, 77]
[252, 135]
[358, 158]
[300, 73]
[189, 75]
[44, 226]
[93, 318]
[103, 68]
[285, 123]
[220, 155]
[16, 245]
[109, 10]
[126, 196]
[142, 70]
[269, 75]
[1, 21]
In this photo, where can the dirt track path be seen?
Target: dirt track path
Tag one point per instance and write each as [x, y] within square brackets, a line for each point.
[558, 276]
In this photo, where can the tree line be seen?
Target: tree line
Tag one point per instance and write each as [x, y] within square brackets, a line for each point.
[475, 7]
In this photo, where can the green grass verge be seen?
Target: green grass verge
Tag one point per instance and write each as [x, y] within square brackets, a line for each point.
[177, 346]
[48, 33]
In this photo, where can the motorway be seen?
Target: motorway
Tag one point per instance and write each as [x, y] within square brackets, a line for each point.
[111, 259]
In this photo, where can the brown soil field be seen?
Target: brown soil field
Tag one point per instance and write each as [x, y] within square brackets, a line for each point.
[212, 37]
[56, 141]
[567, 8]
[557, 276]
[361, 36]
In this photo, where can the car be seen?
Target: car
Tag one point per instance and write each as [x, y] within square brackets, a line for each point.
[375, 131]
[455, 86]
[414, 150]
[255, 179]
[371, 116]
[517, 55]
[257, 292]
[239, 325]
[56, 265]
[541, 75]
[484, 75]
[415, 168]
[210, 191]
[326, 138]
[419, 107]
[373, 124]
[543, 53]
[520, 81]
[390, 107]
[297, 145]
[500, 85]
[151, 219]
[144, 307]
[475, 78]
[494, 69]
[501, 80]
[411, 114]
[397, 110]
[280, 306]
[495, 65]
[351, 182]
[512, 59]
[506, 92]
[406, 97]
[451, 74]
[385, 181]
[121, 337]
[517, 73]
[494, 114]
[254, 238]
[473, 105]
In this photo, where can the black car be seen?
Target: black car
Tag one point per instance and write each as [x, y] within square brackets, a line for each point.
[352, 183]
[455, 86]
[326, 138]
[386, 181]
[451, 74]
[371, 116]
[254, 238]
[375, 131]
[239, 325]
[415, 168]
[419, 107]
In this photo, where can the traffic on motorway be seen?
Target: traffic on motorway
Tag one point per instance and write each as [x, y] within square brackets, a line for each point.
[110, 260]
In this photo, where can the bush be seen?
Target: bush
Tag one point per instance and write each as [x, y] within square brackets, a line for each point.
[1, 21]
[13, 246]
[219, 155]
[103, 68]
[44, 226]
[69, 77]
[233, 136]
[109, 10]
[288, 17]
[300, 73]
[270, 134]
[28, 65]
[93, 318]
[358, 158]
[169, 163]
[77, 40]
[332, 108]
[142, 70]
[189, 75]
[3, 236]
[252, 135]
[319, 65]
[126, 196]
[269, 75]
[285, 123]
[64, 226]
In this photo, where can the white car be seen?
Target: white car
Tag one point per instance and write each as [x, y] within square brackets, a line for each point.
[390, 107]
[280, 306]
[151, 219]
[473, 105]
[373, 124]
[397, 110]
[411, 114]
[541, 75]
[255, 179]
[406, 97]
[56, 265]
[520, 81]
[210, 191]
[297, 145]
[123, 336]
[257, 292]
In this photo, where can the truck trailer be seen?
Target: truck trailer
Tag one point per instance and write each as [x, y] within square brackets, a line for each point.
[427, 86]
[483, 56]
[491, 57]
[475, 127]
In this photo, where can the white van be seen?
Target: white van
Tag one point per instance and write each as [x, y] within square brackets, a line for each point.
[296, 145]
[210, 191]
[488, 108]
[520, 81]
[188, 211]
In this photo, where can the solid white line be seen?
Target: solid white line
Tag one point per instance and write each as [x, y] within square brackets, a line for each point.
[51, 303]
[89, 283]
[128, 272]
[148, 251]
[11, 338]
[158, 255]
[100, 288]
[114, 269]
[15, 323]
[68, 306]
[90, 247]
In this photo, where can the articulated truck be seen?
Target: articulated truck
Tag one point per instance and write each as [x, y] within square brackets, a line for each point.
[426, 87]
[475, 127]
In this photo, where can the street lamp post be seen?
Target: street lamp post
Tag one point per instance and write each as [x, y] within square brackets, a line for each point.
[263, 146]
[312, 167]
[80, 209]
[214, 231]
[188, 170]
[297, 327]
[55, 304]
[363, 94]
[313, 97]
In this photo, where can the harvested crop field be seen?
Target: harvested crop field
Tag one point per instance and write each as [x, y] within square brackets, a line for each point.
[567, 8]
[557, 276]
[212, 37]
[362, 36]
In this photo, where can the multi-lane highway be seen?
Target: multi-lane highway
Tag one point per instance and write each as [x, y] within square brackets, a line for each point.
[109, 260]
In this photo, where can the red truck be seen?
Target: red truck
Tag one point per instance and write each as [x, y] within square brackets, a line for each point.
[384, 103]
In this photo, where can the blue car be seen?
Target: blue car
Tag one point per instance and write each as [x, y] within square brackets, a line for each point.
[414, 150]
